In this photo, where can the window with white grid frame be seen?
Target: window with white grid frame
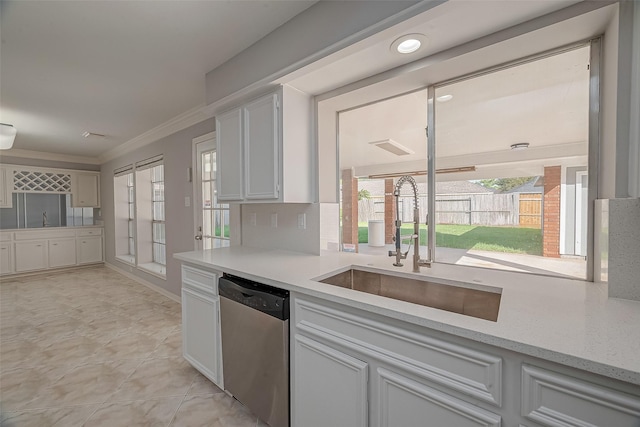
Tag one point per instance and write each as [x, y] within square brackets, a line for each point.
[124, 204]
[131, 202]
[215, 216]
[157, 223]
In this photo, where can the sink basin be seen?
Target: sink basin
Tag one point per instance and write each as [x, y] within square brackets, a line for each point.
[483, 304]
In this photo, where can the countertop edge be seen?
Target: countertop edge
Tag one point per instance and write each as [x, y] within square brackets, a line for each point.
[548, 354]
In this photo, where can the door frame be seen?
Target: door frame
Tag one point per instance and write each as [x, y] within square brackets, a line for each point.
[194, 175]
[235, 232]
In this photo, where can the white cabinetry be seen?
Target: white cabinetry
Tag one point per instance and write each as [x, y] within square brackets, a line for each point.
[201, 341]
[31, 255]
[89, 249]
[417, 376]
[553, 399]
[229, 155]
[5, 191]
[62, 252]
[261, 148]
[85, 191]
[264, 150]
[412, 379]
[6, 258]
[39, 249]
[327, 378]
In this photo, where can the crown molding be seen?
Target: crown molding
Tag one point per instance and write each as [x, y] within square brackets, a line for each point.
[176, 124]
[56, 157]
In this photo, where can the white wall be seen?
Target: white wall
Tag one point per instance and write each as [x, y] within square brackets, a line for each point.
[180, 229]
[305, 39]
[634, 132]
[287, 235]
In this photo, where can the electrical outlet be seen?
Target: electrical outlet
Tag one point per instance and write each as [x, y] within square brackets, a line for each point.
[302, 221]
[252, 219]
[187, 201]
[274, 220]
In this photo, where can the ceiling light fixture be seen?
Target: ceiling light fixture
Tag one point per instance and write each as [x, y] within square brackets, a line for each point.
[393, 147]
[88, 134]
[520, 146]
[444, 98]
[409, 43]
[7, 136]
[423, 172]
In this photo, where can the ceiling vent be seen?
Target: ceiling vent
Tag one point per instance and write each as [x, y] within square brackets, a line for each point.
[393, 147]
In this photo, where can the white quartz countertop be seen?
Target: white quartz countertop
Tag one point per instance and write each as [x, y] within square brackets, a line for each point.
[565, 321]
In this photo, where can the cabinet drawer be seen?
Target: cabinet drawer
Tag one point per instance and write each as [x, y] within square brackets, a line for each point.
[6, 237]
[44, 234]
[554, 399]
[89, 232]
[465, 370]
[206, 281]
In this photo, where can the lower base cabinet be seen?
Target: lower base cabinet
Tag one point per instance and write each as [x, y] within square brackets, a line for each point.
[89, 249]
[62, 252]
[201, 323]
[354, 368]
[330, 386]
[31, 256]
[6, 258]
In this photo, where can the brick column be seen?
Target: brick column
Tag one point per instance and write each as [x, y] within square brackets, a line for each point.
[389, 211]
[551, 212]
[349, 208]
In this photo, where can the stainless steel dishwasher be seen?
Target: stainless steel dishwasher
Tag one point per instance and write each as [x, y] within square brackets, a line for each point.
[255, 347]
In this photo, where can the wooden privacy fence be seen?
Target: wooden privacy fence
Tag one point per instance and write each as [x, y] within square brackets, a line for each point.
[530, 205]
[511, 209]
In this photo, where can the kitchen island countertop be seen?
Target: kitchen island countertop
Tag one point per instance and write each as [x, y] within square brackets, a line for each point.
[570, 322]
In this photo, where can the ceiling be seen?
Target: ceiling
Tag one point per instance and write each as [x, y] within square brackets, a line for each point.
[123, 68]
[117, 68]
[544, 103]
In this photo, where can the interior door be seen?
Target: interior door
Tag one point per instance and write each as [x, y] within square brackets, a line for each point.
[211, 217]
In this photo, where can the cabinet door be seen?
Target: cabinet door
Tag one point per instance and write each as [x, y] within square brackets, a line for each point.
[89, 249]
[201, 333]
[5, 193]
[62, 252]
[261, 148]
[31, 256]
[229, 155]
[405, 402]
[329, 387]
[6, 264]
[86, 191]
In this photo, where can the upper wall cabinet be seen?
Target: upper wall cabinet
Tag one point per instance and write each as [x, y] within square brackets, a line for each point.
[85, 190]
[5, 191]
[264, 150]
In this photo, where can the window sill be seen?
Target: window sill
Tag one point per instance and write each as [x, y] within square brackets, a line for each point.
[154, 269]
[127, 259]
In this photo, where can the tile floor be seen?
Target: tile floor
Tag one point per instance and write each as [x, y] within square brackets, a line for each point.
[91, 347]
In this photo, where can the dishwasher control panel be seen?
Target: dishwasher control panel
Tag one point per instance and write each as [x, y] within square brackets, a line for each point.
[265, 298]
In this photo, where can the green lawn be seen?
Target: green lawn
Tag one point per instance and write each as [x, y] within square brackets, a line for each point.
[496, 239]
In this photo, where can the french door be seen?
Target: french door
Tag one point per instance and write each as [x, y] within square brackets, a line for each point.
[211, 217]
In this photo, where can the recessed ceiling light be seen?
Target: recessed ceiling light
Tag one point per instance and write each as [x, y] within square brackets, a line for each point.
[520, 146]
[409, 43]
[444, 98]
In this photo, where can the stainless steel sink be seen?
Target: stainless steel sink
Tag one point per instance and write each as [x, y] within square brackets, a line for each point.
[483, 304]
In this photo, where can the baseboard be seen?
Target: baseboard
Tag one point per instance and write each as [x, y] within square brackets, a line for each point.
[149, 285]
[46, 271]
